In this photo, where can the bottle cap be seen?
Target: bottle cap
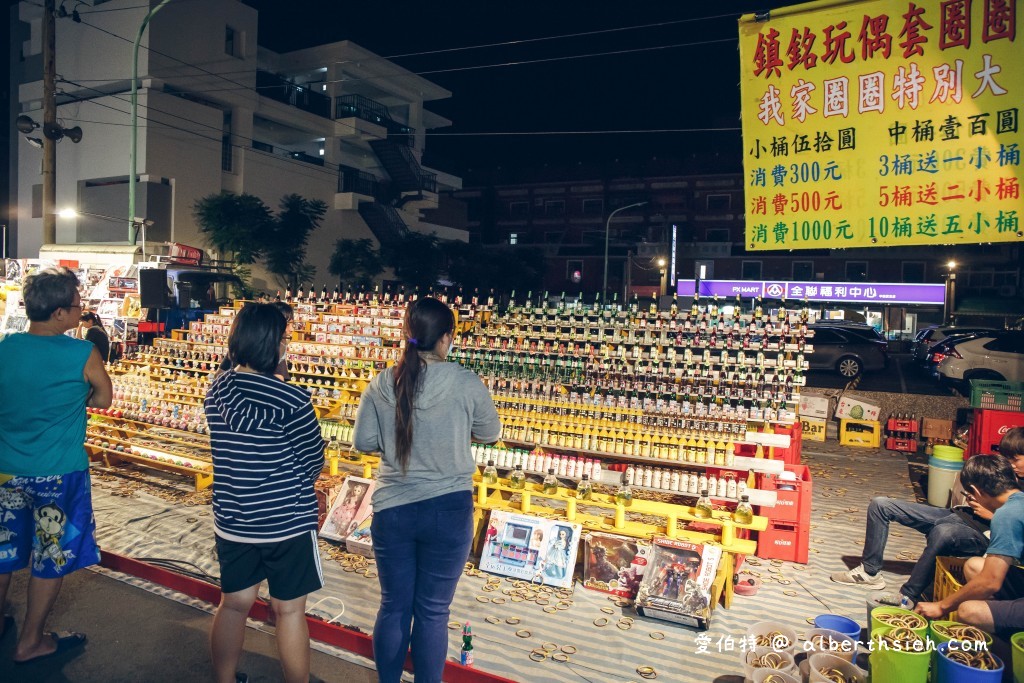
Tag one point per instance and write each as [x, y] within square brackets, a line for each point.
[586, 477]
[704, 492]
[551, 470]
[490, 463]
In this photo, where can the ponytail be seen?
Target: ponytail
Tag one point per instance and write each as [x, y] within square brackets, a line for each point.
[426, 321]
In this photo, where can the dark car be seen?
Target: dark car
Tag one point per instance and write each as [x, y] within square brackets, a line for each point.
[933, 334]
[848, 349]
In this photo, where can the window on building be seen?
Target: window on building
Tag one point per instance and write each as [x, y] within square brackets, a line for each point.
[513, 238]
[718, 235]
[913, 271]
[225, 153]
[230, 41]
[856, 271]
[554, 207]
[750, 270]
[519, 209]
[803, 270]
[593, 207]
[718, 202]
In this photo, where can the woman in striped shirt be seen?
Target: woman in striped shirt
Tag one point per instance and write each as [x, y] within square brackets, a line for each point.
[267, 454]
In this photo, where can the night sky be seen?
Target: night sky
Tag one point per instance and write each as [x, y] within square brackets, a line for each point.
[689, 87]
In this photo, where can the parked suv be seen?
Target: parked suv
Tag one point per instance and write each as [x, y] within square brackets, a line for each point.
[849, 349]
[933, 334]
[992, 355]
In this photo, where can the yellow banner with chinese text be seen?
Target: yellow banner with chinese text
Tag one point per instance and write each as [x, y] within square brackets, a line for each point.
[882, 123]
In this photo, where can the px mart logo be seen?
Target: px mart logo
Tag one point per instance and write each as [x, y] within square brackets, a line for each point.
[775, 290]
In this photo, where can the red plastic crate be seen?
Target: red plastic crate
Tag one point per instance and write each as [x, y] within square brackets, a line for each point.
[789, 541]
[904, 445]
[790, 505]
[793, 454]
[907, 426]
[988, 429]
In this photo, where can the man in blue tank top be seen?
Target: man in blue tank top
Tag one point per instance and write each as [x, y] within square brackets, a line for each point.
[46, 519]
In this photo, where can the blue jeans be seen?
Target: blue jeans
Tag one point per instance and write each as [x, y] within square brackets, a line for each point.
[945, 532]
[421, 551]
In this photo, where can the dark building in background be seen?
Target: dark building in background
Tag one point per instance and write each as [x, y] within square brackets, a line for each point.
[567, 219]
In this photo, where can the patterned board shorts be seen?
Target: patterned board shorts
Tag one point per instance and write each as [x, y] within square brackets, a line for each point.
[48, 522]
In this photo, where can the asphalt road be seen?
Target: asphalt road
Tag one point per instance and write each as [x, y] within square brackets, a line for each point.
[900, 377]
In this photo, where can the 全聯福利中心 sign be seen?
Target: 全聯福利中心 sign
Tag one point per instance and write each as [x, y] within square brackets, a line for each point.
[882, 123]
[851, 292]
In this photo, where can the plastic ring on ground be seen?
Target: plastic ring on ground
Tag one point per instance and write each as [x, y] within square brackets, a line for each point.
[647, 672]
[626, 620]
[601, 622]
[482, 598]
[569, 649]
[452, 625]
[608, 610]
[560, 657]
[624, 626]
[538, 655]
[512, 621]
[657, 635]
[550, 609]
[499, 600]
[492, 620]
[549, 647]
[523, 633]
[370, 574]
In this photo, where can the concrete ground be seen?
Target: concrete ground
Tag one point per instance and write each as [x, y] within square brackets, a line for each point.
[127, 629]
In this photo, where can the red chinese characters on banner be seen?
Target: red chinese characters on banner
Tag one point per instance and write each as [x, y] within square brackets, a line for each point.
[955, 29]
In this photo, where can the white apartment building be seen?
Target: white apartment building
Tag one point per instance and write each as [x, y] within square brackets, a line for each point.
[217, 112]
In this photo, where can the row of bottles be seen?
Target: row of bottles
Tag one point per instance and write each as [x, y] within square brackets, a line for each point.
[612, 416]
[537, 461]
[691, 483]
[701, 448]
[333, 431]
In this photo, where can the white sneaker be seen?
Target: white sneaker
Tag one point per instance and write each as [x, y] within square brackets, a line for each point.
[858, 577]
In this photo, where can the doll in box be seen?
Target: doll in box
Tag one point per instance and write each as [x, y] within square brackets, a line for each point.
[556, 559]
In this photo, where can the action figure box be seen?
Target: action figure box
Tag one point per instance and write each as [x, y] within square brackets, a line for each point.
[350, 507]
[677, 584]
[614, 564]
[542, 551]
[359, 541]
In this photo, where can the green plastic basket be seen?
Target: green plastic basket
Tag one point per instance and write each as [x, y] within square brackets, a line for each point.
[997, 395]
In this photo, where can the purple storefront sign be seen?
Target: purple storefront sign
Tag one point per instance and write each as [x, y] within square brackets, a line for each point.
[857, 292]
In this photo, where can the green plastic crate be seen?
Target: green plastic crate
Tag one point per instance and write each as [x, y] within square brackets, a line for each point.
[997, 395]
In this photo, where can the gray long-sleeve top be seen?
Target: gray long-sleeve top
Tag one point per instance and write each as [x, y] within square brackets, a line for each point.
[451, 407]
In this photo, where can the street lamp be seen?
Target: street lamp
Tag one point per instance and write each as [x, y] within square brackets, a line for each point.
[950, 292]
[607, 228]
[137, 223]
[662, 273]
[132, 224]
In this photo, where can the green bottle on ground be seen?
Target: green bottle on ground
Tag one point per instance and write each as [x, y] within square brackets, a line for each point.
[466, 657]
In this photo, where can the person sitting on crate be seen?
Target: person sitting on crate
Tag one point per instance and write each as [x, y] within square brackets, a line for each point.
[958, 531]
[993, 597]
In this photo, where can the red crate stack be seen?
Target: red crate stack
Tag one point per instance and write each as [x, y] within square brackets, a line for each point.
[988, 429]
[789, 521]
[793, 454]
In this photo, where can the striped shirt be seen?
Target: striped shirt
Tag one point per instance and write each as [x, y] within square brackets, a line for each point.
[267, 454]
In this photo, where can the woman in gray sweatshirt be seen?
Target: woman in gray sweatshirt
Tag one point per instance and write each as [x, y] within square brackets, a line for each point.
[421, 415]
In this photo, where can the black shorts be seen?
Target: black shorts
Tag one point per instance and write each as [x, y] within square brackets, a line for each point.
[291, 567]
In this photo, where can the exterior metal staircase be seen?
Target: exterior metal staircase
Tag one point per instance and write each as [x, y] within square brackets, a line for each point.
[384, 221]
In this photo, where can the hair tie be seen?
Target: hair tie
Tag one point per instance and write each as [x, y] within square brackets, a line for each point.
[412, 340]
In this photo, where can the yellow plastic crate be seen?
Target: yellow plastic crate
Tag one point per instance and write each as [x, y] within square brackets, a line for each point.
[863, 433]
[949, 578]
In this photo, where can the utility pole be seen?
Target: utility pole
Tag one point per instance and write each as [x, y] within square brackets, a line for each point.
[49, 124]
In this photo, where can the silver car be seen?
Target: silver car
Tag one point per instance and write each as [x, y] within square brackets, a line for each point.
[848, 349]
[933, 334]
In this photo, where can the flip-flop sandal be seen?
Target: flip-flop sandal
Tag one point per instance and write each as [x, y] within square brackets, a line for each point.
[65, 643]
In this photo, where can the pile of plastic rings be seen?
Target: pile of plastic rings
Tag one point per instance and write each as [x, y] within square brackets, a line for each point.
[976, 659]
[907, 620]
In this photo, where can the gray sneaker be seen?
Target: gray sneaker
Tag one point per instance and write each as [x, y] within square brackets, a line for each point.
[858, 577]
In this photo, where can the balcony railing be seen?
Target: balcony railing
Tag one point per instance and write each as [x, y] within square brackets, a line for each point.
[360, 182]
[282, 90]
[347, 106]
[428, 182]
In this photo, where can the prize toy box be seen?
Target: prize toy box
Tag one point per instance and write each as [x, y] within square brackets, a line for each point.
[350, 507]
[677, 584]
[360, 541]
[614, 564]
[542, 551]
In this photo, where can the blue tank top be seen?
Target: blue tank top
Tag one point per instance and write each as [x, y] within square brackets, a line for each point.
[42, 409]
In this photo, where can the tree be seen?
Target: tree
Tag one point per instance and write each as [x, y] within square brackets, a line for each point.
[285, 242]
[416, 259]
[235, 224]
[356, 262]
